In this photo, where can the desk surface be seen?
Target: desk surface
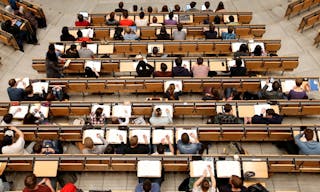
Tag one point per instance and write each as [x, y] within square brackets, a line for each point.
[260, 169]
[45, 168]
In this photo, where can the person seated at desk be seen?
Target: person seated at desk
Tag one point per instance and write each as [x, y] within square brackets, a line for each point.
[66, 36]
[14, 93]
[193, 7]
[19, 35]
[243, 51]
[7, 119]
[155, 22]
[207, 6]
[12, 146]
[310, 147]
[91, 148]
[163, 35]
[211, 33]
[211, 94]
[147, 186]
[158, 119]
[170, 21]
[231, 94]
[84, 52]
[177, 8]
[53, 58]
[200, 70]
[165, 9]
[180, 70]
[163, 72]
[258, 51]
[235, 184]
[275, 93]
[144, 69]
[228, 35]
[81, 21]
[134, 147]
[162, 149]
[226, 117]
[298, 92]
[81, 38]
[203, 185]
[231, 20]
[47, 147]
[97, 117]
[270, 118]
[72, 52]
[129, 34]
[142, 21]
[30, 118]
[170, 93]
[184, 145]
[30, 96]
[112, 21]
[238, 70]
[220, 7]
[179, 34]
[126, 21]
[31, 185]
[155, 52]
[120, 7]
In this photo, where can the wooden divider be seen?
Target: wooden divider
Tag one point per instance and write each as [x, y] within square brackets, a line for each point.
[8, 39]
[4, 15]
[309, 21]
[299, 6]
[317, 39]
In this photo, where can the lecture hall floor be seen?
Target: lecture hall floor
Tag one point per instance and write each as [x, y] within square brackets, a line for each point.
[63, 13]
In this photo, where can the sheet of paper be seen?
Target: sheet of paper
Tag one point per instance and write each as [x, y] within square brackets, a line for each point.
[37, 106]
[106, 109]
[287, 85]
[87, 33]
[180, 131]
[226, 169]
[22, 82]
[93, 64]
[121, 110]
[39, 86]
[147, 168]
[23, 110]
[236, 45]
[159, 134]
[164, 108]
[178, 85]
[93, 47]
[113, 136]
[258, 109]
[263, 82]
[140, 134]
[59, 47]
[197, 168]
[92, 133]
[84, 14]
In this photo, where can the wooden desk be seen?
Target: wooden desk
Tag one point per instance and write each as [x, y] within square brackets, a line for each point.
[259, 168]
[45, 168]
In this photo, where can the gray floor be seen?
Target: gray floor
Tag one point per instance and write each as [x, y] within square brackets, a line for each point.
[63, 13]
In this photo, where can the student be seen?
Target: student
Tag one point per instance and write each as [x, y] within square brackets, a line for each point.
[163, 72]
[200, 70]
[203, 185]
[184, 145]
[192, 7]
[120, 7]
[180, 70]
[147, 186]
[155, 53]
[177, 8]
[155, 22]
[220, 7]
[97, 117]
[142, 21]
[226, 117]
[270, 118]
[30, 96]
[12, 146]
[158, 119]
[30, 118]
[130, 34]
[211, 94]
[275, 93]
[258, 51]
[162, 149]
[72, 52]
[163, 35]
[144, 69]
[310, 147]
[53, 69]
[243, 51]
[81, 21]
[134, 147]
[211, 33]
[238, 70]
[31, 184]
[170, 21]
[112, 21]
[126, 21]
[66, 36]
[298, 92]
[14, 93]
[170, 93]
[228, 35]
[91, 148]
[81, 38]
[207, 6]
[231, 20]
[179, 34]
[7, 119]
[20, 35]
[165, 9]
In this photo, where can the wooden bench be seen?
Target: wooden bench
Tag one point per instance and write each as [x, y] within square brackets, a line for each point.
[299, 6]
[4, 15]
[8, 39]
[309, 21]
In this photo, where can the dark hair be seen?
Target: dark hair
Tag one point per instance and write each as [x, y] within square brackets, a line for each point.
[227, 108]
[217, 19]
[29, 118]
[30, 181]
[37, 147]
[177, 7]
[257, 51]
[178, 61]
[28, 90]
[275, 86]
[12, 82]
[83, 44]
[141, 15]
[236, 181]
[171, 15]
[211, 27]
[109, 149]
[51, 54]
[149, 9]
[231, 18]
[205, 185]
[308, 134]
[163, 30]
[73, 47]
[243, 48]
[147, 185]
[79, 33]
[163, 67]
[135, 8]
[165, 8]
[179, 26]
[270, 112]
[80, 17]
[220, 6]
[193, 4]
[230, 29]
[7, 140]
[199, 60]
[207, 4]
[125, 14]
[185, 138]
[120, 4]
[299, 82]
[98, 112]
[155, 50]
[161, 148]
[65, 31]
[7, 118]
[238, 62]
[111, 16]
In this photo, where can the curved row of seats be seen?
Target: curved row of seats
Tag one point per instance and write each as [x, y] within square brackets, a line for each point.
[299, 6]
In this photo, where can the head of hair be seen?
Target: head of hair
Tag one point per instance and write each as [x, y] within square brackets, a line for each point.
[230, 29]
[88, 143]
[51, 54]
[185, 138]
[128, 30]
[270, 112]
[179, 27]
[158, 112]
[7, 140]
[205, 185]
[238, 62]
[276, 86]
[65, 30]
[207, 4]
[299, 82]
[165, 8]
[80, 17]
[231, 18]
[8, 23]
[125, 14]
[37, 148]
[178, 61]
[111, 15]
[177, 7]
[135, 8]
[73, 47]
[150, 9]
[154, 19]
[163, 30]
[161, 148]
[133, 141]
[12, 82]
[83, 44]
[120, 4]
[243, 48]
[236, 182]
[257, 51]
[29, 118]
[98, 112]
[193, 4]
[211, 27]
[28, 90]
[220, 6]
[109, 149]
[163, 67]
[217, 19]
[308, 134]
[215, 94]
[147, 185]
[51, 47]
[7, 118]
[142, 63]
[227, 108]
[79, 33]
[155, 50]
[199, 60]
[171, 15]
[141, 15]
[30, 181]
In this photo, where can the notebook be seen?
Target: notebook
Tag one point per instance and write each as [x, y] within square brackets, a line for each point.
[19, 115]
[93, 64]
[93, 47]
[22, 82]
[147, 168]
[87, 32]
[287, 85]
[263, 82]
[159, 134]
[92, 133]
[39, 86]
[197, 168]
[226, 169]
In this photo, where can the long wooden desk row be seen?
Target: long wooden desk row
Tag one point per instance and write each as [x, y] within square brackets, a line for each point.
[158, 85]
[8, 39]
[193, 31]
[181, 108]
[309, 21]
[206, 132]
[112, 65]
[186, 47]
[181, 163]
[25, 24]
[317, 39]
[182, 17]
[299, 6]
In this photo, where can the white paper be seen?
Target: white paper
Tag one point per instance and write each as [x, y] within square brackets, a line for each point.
[263, 82]
[163, 109]
[92, 133]
[147, 168]
[22, 82]
[232, 63]
[226, 169]
[93, 47]
[159, 134]
[84, 14]
[44, 110]
[87, 33]
[39, 86]
[59, 47]
[199, 166]
[106, 109]
[93, 64]
[140, 133]
[236, 45]
[113, 136]
[181, 131]
[19, 115]
[178, 85]
[287, 85]
[261, 107]
[121, 110]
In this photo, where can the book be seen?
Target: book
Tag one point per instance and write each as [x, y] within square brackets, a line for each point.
[180, 131]
[92, 133]
[39, 86]
[146, 168]
[164, 108]
[112, 136]
[93, 64]
[226, 169]
[159, 134]
[140, 133]
[121, 110]
[44, 110]
[197, 168]
[178, 85]
[19, 111]
[106, 109]
[22, 82]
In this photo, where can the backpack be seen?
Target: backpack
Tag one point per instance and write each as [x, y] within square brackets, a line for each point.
[257, 188]
[118, 33]
[89, 73]
[234, 148]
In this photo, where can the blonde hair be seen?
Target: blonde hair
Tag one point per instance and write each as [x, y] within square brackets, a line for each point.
[88, 143]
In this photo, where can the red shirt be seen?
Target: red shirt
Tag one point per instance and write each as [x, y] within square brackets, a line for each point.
[81, 39]
[126, 22]
[39, 188]
[82, 23]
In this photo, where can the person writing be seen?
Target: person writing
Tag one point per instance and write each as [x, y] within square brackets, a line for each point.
[203, 185]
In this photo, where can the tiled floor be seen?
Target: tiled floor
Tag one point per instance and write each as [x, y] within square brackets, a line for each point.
[63, 13]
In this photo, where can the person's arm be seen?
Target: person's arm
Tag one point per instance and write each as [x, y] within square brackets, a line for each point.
[213, 180]
[194, 137]
[298, 141]
[170, 144]
[198, 182]
[102, 139]
[169, 116]
[20, 134]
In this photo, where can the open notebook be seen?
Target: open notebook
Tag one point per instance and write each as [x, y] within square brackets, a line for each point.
[197, 168]
[113, 136]
[140, 133]
[22, 82]
[93, 134]
[159, 134]
[147, 168]
[23, 110]
[226, 169]
[121, 110]
[39, 86]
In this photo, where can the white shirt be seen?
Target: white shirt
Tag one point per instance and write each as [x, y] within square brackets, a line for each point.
[15, 148]
[141, 22]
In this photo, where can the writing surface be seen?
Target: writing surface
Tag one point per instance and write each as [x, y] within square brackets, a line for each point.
[140, 134]
[121, 110]
[106, 109]
[19, 111]
[197, 168]
[164, 108]
[105, 49]
[128, 66]
[159, 134]
[87, 32]
[93, 64]
[287, 85]
[3, 166]
[39, 86]
[147, 168]
[45, 168]
[259, 168]
[217, 66]
[180, 131]
[92, 133]
[226, 169]
[112, 136]
[22, 82]
[37, 107]
[93, 47]
[177, 83]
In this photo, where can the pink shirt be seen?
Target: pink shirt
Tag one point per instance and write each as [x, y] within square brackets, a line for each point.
[200, 71]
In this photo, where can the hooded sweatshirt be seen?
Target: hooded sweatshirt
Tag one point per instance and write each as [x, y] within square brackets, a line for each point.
[307, 148]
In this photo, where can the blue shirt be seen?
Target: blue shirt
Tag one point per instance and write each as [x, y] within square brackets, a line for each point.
[190, 148]
[155, 187]
[15, 94]
[226, 35]
[308, 147]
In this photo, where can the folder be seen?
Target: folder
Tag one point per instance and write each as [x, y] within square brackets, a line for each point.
[146, 168]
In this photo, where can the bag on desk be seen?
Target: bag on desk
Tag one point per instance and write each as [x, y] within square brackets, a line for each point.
[257, 188]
